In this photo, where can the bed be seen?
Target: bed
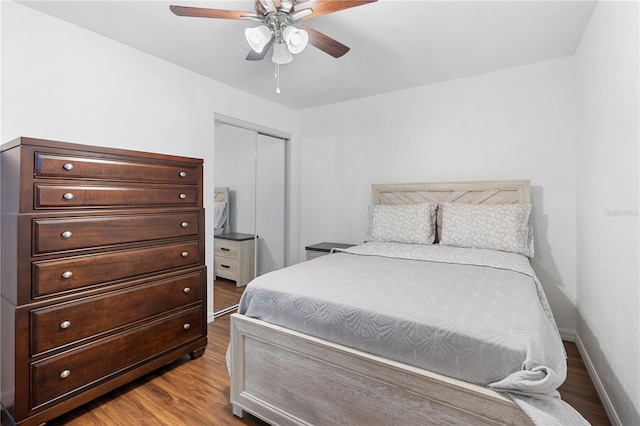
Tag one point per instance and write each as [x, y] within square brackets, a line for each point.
[221, 211]
[330, 342]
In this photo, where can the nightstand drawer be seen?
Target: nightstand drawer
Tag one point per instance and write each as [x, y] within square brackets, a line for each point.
[227, 268]
[311, 254]
[225, 248]
[235, 257]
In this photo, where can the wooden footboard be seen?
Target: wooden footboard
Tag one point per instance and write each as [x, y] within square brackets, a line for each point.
[289, 378]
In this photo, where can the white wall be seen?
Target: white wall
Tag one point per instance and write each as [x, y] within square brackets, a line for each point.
[62, 82]
[65, 83]
[606, 74]
[512, 124]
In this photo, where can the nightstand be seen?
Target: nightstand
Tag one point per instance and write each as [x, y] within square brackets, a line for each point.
[234, 257]
[322, 249]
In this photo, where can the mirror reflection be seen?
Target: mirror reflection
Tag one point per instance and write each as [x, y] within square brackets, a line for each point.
[250, 196]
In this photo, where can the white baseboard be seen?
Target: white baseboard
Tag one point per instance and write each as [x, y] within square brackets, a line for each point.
[602, 393]
[567, 334]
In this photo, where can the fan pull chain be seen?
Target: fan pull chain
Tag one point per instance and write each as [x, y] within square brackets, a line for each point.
[277, 78]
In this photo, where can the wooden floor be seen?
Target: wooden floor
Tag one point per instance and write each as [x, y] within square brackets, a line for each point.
[197, 393]
[225, 294]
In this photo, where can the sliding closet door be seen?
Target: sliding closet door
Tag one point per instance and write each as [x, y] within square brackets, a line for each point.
[234, 167]
[270, 203]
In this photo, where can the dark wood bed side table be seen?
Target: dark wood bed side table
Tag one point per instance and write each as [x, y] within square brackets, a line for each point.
[322, 249]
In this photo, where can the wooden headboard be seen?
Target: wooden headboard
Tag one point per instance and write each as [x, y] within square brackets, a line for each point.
[221, 194]
[482, 192]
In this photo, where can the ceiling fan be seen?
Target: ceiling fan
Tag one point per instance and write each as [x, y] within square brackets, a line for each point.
[277, 18]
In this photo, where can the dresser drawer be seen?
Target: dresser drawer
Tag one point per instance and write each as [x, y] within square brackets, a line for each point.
[225, 248]
[49, 165]
[58, 325]
[87, 196]
[71, 273]
[52, 234]
[81, 367]
[227, 268]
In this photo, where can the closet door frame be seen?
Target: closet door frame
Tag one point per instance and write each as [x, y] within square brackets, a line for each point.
[286, 138]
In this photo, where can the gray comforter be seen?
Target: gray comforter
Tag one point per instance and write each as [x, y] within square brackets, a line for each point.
[476, 315]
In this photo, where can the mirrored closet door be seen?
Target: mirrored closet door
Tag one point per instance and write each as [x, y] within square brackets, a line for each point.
[250, 182]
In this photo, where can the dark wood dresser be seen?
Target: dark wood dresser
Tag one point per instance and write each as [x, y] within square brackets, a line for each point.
[103, 272]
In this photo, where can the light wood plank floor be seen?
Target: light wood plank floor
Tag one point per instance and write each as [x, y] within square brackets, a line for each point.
[197, 393]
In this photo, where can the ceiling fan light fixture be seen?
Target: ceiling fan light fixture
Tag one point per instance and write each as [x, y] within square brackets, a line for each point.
[299, 14]
[295, 39]
[281, 54]
[258, 37]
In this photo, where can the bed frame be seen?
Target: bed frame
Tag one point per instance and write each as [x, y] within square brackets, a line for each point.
[288, 378]
[221, 194]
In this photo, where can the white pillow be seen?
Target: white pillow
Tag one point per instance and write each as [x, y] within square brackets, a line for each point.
[218, 214]
[505, 227]
[407, 223]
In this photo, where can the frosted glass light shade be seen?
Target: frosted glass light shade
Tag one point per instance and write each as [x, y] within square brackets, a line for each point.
[295, 39]
[281, 54]
[258, 37]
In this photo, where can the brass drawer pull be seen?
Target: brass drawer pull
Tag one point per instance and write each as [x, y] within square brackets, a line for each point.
[66, 275]
[183, 196]
[66, 234]
[68, 166]
[186, 290]
[65, 324]
[68, 196]
[65, 374]
[186, 326]
[184, 224]
[183, 174]
[185, 254]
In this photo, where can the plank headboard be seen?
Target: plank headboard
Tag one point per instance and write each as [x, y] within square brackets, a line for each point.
[482, 192]
[221, 194]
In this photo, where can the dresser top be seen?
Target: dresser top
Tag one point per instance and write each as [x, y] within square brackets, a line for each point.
[26, 141]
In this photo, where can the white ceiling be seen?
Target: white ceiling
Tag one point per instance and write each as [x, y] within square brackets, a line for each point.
[395, 44]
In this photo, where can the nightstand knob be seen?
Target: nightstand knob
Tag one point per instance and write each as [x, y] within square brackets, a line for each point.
[66, 234]
[65, 324]
[68, 196]
[186, 290]
[186, 326]
[65, 374]
[185, 254]
[66, 275]
[184, 224]
[183, 174]
[68, 166]
[183, 196]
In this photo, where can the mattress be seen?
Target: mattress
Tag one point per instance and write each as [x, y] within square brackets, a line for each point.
[476, 315]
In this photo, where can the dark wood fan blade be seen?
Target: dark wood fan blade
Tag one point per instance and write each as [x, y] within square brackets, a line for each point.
[255, 56]
[199, 12]
[323, 7]
[325, 43]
